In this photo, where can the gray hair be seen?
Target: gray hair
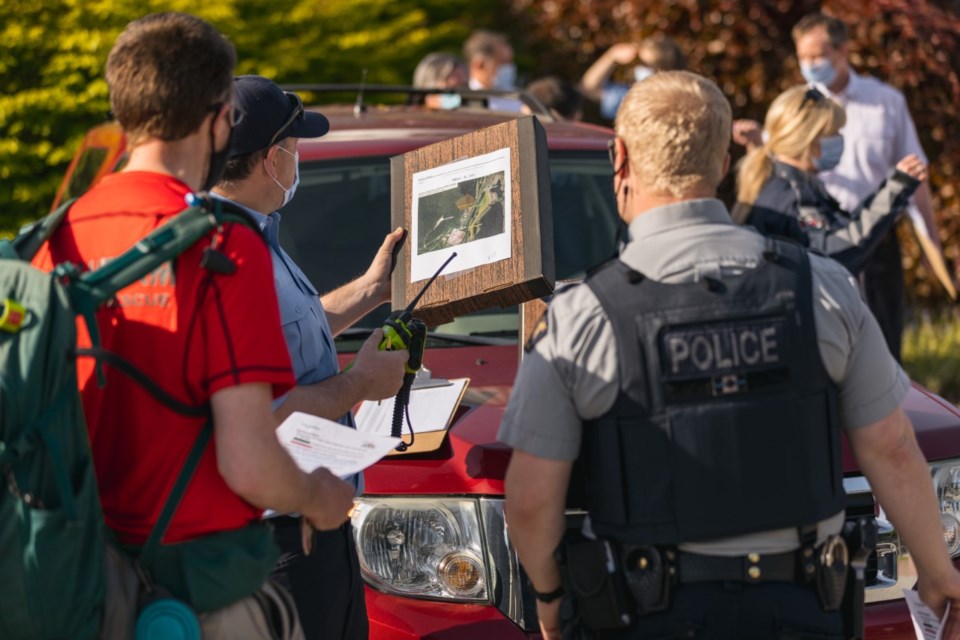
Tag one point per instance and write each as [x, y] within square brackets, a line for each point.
[435, 68]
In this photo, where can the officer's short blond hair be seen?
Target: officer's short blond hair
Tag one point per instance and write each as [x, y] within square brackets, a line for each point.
[676, 127]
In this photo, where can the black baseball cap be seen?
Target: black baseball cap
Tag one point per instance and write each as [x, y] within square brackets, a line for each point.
[271, 115]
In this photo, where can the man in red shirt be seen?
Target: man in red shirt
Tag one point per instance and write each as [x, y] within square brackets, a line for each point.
[208, 339]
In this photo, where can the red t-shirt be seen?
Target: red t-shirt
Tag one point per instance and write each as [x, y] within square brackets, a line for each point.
[193, 331]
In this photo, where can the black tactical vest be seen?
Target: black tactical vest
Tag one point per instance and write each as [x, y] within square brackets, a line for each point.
[726, 422]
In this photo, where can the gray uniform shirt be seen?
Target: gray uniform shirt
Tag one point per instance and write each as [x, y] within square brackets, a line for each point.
[572, 375]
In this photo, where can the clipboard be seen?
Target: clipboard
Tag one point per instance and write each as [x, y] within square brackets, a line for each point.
[432, 409]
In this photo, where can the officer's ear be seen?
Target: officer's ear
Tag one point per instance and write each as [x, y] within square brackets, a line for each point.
[620, 158]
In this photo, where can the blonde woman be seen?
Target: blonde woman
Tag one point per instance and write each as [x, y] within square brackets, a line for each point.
[778, 191]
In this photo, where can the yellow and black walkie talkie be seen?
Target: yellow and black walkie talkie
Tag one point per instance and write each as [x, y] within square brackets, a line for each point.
[402, 331]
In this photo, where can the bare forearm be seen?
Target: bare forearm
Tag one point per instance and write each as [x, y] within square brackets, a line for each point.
[536, 490]
[330, 398]
[249, 456]
[900, 479]
[349, 303]
[280, 484]
[536, 536]
[591, 84]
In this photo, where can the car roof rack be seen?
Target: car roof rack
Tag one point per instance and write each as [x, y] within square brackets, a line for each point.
[469, 96]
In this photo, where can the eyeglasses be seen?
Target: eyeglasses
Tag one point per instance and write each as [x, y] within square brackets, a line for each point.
[236, 113]
[612, 152]
[813, 95]
[297, 113]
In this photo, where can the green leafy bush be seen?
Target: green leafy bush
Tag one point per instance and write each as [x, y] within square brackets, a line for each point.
[930, 347]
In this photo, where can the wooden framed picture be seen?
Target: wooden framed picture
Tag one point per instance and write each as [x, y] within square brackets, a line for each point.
[486, 197]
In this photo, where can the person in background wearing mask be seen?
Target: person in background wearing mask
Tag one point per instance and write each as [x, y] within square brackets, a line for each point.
[489, 59]
[441, 71]
[320, 569]
[653, 54]
[879, 132]
[780, 195]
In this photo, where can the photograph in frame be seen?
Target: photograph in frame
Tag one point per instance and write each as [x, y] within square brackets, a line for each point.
[465, 207]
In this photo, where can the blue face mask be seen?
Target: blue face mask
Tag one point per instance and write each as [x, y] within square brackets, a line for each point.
[820, 73]
[831, 148]
[450, 100]
[506, 77]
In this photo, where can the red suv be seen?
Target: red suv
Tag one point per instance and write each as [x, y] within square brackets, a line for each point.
[434, 547]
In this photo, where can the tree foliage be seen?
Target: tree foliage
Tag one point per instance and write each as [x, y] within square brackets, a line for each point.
[746, 48]
[53, 56]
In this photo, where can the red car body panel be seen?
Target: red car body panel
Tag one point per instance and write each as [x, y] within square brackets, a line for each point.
[393, 618]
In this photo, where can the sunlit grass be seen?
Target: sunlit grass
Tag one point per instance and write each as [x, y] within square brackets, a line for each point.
[931, 354]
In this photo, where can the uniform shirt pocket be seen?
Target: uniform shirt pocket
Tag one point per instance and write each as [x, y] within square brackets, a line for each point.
[292, 318]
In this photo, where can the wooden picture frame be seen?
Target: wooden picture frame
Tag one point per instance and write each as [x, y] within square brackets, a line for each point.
[517, 152]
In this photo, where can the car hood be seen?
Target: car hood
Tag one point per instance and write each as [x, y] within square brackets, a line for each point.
[471, 461]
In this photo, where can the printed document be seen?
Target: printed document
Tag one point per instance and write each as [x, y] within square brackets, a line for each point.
[317, 442]
[925, 621]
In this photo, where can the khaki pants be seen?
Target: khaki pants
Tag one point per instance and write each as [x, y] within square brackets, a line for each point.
[268, 614]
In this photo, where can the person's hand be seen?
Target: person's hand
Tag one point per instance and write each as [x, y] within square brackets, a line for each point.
[935, 593]
[378, 274]
[913, 167]
[623, 53]
[380, 373]
[748, 133]
[331, 499]
[549, 615]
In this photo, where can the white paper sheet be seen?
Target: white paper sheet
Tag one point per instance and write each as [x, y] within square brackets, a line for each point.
[463, 206]
[430, 410]
[316, 442]
[930, 250]
[925, 622]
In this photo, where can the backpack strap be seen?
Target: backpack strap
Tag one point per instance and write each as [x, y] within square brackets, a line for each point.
[91, 289]
[32, 236]
[176, 493]
[133, 372]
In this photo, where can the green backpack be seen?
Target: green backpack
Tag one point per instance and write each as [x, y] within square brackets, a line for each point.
[52, 532]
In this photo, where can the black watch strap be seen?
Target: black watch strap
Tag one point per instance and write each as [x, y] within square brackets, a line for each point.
[549, 596]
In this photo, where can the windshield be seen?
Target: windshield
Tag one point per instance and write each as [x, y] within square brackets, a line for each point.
[341, 213]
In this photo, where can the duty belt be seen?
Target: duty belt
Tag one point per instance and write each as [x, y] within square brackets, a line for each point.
[753, 567]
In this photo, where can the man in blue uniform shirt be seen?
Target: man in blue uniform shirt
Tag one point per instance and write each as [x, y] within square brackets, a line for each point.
[262, 176]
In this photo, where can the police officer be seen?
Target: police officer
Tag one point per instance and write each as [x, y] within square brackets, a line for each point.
[702, 382]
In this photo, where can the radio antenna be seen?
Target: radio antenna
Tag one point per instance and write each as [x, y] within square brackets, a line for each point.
[359, 107]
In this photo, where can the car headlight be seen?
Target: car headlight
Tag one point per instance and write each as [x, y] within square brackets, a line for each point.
[422, 547]
[946, 482]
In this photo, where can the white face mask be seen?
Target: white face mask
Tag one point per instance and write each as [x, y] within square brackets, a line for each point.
[292, 189]
[641, 73]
